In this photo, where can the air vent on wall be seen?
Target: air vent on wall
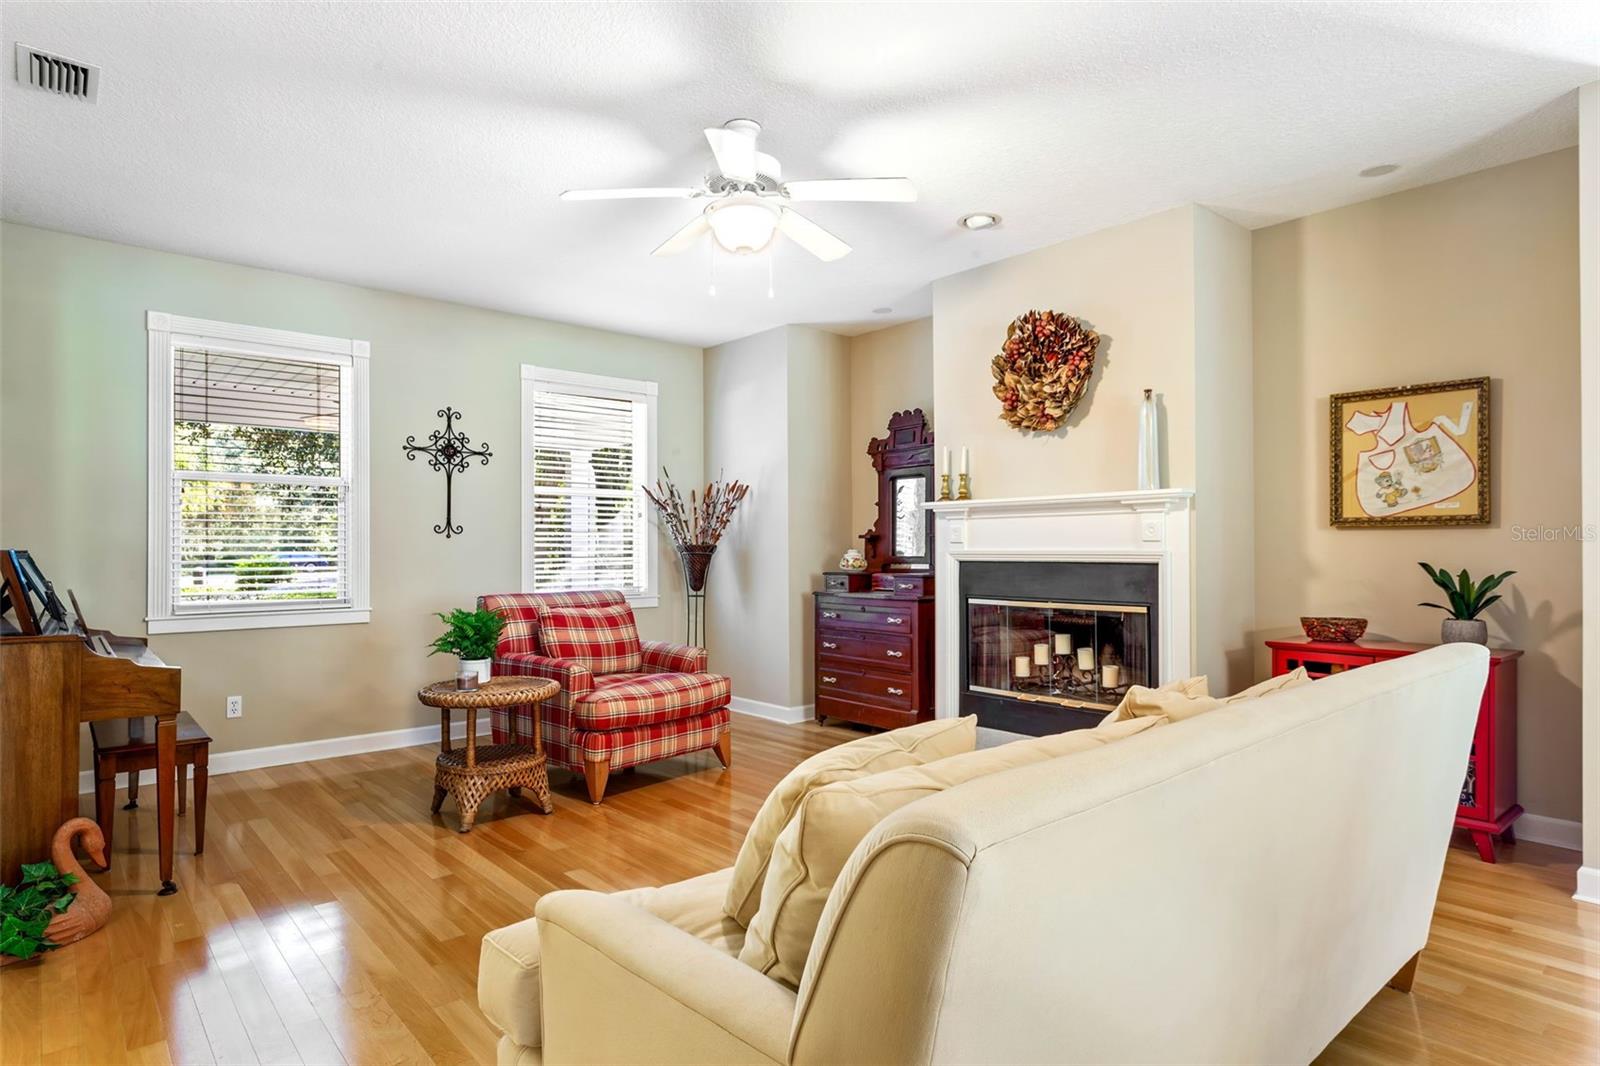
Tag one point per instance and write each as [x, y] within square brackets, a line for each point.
[56, 74]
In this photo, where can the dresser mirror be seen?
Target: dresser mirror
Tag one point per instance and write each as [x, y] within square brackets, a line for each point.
[902, 538]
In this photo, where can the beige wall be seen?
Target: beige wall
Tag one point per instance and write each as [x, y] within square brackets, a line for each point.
[1589, 240]
[74, 466]
[747, 592]
[891, 370]
[820, 461]
[1472, 276]
[1134, 284]
[1170, 298]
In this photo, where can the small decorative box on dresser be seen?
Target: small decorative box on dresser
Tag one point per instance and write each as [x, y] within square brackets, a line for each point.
[1488, 802]
[875, 657]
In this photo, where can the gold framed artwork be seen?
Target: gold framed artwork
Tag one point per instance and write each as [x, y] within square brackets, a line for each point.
[1413, 456]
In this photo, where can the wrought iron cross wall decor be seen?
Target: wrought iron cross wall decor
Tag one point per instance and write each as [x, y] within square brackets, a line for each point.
[448, 450]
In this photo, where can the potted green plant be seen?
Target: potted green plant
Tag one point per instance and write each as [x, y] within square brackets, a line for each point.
[1466, 600]
[27, 908]
[470, 636]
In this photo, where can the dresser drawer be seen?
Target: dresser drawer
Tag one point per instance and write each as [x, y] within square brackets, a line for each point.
[853, 684]
[872, 714]
[890, 651]
[881, 617]
[904, 584]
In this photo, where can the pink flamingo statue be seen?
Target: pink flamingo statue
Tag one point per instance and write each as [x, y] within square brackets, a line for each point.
[92, 907]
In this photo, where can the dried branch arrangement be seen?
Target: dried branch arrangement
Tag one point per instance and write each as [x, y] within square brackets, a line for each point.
[702, 522]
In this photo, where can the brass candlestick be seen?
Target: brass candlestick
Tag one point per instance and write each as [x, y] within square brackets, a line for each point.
[964, 488]
[944, 487]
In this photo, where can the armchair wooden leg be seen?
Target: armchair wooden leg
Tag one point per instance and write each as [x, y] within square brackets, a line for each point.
[595, 772]
[724, 748]
[1401, 982]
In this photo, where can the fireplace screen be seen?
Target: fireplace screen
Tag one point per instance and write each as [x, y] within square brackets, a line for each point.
[1072, 654]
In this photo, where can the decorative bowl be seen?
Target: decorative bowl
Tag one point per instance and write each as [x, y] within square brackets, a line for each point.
[1338, 630]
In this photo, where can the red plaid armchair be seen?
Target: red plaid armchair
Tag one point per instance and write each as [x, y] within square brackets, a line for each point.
[622, 701]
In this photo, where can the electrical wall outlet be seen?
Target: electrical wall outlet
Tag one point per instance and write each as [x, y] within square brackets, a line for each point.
[235, 706]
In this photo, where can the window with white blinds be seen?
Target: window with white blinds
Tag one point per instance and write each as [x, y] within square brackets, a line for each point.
[588, 446]
[262, 500]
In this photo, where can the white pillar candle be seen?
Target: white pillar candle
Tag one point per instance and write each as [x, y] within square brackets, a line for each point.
[1022, 667]
[966, 460]
[1063, 643]
[1041, 655]
[1110, 675]
[1086, 659]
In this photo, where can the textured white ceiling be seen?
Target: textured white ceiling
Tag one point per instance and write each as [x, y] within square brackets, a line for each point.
[420, 148]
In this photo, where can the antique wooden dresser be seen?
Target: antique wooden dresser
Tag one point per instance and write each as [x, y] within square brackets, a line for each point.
[873, 639]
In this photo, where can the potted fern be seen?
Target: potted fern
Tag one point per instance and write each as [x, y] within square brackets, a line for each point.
[1467, 599]
[471, 636]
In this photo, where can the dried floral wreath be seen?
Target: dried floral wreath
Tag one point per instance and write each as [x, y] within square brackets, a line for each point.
[1043, 369]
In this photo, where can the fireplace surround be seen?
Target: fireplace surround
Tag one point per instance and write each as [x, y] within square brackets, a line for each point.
[1035, 576]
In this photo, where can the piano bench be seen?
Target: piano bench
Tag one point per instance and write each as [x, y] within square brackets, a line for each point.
[127, 746]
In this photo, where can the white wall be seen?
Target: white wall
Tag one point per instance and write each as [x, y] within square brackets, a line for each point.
[891, 370]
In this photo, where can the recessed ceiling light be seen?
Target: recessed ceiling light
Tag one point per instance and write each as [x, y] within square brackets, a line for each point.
[882, 310]
[1380, 170]
[978, 220]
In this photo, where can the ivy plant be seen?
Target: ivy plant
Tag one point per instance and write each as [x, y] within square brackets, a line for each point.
[27, 907]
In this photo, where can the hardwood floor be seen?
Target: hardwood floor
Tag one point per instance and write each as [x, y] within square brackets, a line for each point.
[331, 919]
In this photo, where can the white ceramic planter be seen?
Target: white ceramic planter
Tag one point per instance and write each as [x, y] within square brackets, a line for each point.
[480, 665]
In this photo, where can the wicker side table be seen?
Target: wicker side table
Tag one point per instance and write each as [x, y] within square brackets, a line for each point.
[471, 773]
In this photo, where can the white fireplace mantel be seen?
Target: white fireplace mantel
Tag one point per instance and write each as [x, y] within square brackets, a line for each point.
[1149, 525]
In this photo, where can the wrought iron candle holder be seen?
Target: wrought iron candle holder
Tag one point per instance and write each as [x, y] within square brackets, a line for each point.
[451, 451]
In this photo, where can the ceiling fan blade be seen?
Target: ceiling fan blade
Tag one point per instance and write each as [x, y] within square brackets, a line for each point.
[630, 194]
[696, 228]
[735, 151]
[810, 236]
[875, 190]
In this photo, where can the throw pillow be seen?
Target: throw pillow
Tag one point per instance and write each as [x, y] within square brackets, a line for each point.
[1292, 679]
[810, 853]
[1174, 700]
[602, 638]
[911, 745]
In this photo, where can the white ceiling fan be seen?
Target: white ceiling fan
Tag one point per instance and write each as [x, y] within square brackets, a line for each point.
[749, 199]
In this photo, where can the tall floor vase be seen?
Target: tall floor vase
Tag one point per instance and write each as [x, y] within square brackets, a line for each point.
[696, 560]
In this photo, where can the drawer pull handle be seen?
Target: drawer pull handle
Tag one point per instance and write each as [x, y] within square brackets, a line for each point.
[895, 620]
[895, 654]
[830, 614]
[826, 680]
[829, 644]
[906, 586]
[896, 691]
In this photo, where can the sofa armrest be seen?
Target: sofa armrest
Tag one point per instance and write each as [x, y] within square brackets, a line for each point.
[622, 985]
[574, 678]
[672, 658]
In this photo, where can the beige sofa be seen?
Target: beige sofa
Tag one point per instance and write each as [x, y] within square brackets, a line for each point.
[1228, 889]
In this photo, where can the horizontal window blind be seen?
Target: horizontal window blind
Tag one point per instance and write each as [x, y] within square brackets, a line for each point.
[588, 461]
[260, 484]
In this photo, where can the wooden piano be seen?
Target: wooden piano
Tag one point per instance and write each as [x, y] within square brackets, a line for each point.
[58, 673]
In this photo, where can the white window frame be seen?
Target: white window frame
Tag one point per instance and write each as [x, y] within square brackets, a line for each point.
[545, 379]
[169, 332]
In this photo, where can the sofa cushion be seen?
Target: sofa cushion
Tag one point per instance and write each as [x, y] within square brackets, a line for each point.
[510, 990]
[1297, 676]
[604, 639]
[620, 700]
[830, 821]
[1175, 700]
[907, 746]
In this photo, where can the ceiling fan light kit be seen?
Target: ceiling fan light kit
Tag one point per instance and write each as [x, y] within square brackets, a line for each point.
[749, 199]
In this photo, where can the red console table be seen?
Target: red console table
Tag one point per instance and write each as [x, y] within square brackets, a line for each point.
[1488, 803]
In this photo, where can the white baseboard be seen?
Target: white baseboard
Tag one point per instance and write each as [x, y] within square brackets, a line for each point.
[232, 762]
[1588, 885]
[772, 712]
[1556, 831]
